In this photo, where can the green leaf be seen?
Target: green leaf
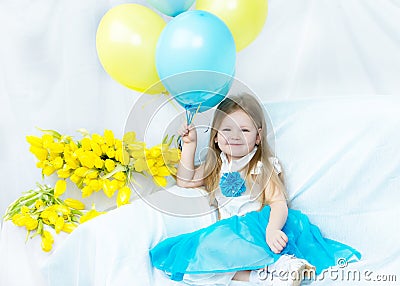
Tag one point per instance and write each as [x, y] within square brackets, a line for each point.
[51, 132]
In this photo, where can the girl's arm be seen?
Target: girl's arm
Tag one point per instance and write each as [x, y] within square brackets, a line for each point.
[187, 175]
[275, 237]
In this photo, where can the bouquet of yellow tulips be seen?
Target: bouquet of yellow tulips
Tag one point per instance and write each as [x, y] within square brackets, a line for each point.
[94, 163]
[105, 163]
[37, 208]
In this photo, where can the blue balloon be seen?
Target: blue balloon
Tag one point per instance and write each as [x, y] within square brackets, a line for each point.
[171, 7]
[195, 59]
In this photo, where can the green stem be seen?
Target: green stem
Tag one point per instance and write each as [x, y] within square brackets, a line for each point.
[118, 168]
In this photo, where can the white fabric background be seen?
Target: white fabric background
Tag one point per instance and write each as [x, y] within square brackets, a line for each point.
[50, 76]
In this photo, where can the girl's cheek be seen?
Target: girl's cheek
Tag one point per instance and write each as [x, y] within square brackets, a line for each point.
[222, 138]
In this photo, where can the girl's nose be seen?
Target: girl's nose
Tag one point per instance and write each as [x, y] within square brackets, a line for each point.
[235, 136]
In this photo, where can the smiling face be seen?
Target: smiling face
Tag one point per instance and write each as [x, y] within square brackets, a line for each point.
[237, 135]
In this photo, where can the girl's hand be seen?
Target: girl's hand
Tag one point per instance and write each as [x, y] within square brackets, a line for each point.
[276, 239]
[188, 134]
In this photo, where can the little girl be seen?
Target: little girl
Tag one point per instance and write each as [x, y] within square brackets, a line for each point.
[257, 238]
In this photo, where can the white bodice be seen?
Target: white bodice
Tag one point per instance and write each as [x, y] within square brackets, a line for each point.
[236, 206]
[247, 202]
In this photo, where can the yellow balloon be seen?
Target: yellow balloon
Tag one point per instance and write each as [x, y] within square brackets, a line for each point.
[126, 42]
[244, 18]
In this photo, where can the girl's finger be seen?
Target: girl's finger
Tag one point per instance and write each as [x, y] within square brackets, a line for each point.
[281, 242]
[275, 250]
[278, 246]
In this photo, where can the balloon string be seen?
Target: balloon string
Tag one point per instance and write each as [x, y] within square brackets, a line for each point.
[151, 100]
[190, 115]
[189, 119]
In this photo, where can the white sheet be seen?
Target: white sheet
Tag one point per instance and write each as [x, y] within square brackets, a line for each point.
[341, 162]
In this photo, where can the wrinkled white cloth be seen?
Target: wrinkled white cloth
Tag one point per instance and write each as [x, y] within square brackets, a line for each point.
[113, 249]
[341, 162]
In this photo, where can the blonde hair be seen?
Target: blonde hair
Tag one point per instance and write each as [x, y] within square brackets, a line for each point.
[269, 181]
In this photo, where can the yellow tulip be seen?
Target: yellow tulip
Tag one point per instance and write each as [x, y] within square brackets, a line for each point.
[60, 210]
[159, 162]
[110, 152]
[150, 162]
[56, 147]
[154, 152]
[67, 149]
[25, 210]
[172, 156]
[110, 165]
[59, 224]
[120, 176]
[140, 165]
[109, 188]
[49, 216]
[76, 179]
[163, 171]
[137, 149]
[153, 171]
[87, 159]
[71, 160]
[40, 153]
[129, 137]
[81, 171]
[34, 141]
[46, 245]
[47, 139]
[160, 181]
[117, 144]
[63, 173]
[96, 148]
[90, 215]
[95, 185]
[59, 189]
[75, 204]
[48, 170]
[39, 204]
[57, 163]
[109, 137]
[86, 144]
[120, 184]
[18, 219]
[86, 191]
[46, 234]
[42, 164]
[91, 174]
[52, 156]
[73, 146]
[98, 139]
[122, 156]
[104, 148]
[98, 163]
[47, 241]
[69, 227]
[31, 223]
[123, 196]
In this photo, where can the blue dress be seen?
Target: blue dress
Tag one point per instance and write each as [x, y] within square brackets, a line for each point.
[238, 243]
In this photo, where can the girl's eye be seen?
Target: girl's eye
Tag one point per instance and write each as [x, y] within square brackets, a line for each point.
[245, 130]
[226, 129]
